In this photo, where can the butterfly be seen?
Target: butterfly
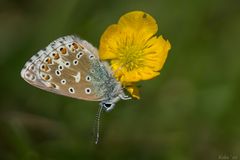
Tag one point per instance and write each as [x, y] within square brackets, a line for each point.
[71, 67]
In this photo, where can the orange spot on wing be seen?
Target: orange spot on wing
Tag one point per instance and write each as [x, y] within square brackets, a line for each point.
[47, 77]
[75, 46]
[56, 56]
[46, 68]
[63, 50]
[48, 60]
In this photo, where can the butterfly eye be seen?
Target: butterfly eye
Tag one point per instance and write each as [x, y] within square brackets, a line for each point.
[108, 106]
[87, 90]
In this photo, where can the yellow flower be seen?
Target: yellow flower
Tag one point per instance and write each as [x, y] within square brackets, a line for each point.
[132, 47]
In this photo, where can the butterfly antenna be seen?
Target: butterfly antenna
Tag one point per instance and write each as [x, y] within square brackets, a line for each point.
[97, 124]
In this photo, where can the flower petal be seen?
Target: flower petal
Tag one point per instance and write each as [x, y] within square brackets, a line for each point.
[147, 73]
[109, 42]
[133, 49]
[130, 76]
[156, 54]
[139, 22]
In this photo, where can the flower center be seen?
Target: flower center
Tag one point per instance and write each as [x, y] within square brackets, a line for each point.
[130, 57]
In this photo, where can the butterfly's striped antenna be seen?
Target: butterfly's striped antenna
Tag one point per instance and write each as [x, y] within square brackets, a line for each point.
[97, 124]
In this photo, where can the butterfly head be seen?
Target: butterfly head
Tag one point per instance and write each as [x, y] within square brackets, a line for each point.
[107, 106]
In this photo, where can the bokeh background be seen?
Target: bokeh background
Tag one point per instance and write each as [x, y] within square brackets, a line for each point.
[190, 112]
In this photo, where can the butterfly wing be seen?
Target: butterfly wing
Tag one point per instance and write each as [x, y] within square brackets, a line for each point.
[67, 66]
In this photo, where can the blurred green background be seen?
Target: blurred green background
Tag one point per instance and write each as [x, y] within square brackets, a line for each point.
[190, 112]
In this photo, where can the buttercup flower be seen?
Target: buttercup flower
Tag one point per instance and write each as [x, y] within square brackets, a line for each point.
[133, 49]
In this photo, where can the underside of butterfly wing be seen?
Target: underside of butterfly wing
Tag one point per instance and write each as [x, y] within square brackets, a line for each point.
[70, 66]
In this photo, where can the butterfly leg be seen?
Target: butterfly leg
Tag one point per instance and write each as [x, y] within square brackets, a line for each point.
[124, 97]
[110, 104]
